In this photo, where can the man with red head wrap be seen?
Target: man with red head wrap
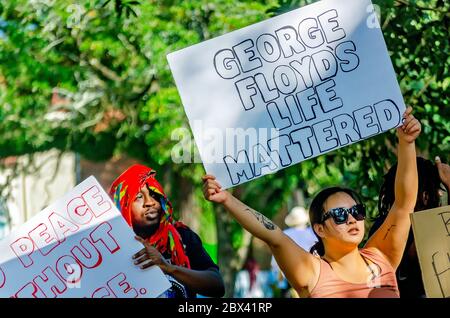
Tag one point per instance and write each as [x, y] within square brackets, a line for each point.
[169, 244]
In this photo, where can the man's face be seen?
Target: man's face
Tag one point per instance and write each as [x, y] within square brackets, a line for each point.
[146, 209]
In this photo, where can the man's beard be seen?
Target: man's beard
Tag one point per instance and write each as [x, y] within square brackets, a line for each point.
[145, 231]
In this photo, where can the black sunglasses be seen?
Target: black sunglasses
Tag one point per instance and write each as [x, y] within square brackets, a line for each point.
[340, 215]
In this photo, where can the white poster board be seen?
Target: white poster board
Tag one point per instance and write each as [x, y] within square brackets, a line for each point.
[287, 89]
[432, 239]
[80, 246]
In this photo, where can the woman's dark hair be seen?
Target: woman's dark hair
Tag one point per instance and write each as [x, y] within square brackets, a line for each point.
[316, 211]
[429, 184]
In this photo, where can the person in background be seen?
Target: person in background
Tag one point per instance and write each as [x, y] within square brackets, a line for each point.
[301, 232]
[431, 175]
[249, 281]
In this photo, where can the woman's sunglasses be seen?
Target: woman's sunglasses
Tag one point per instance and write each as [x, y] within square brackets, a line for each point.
[340, 215]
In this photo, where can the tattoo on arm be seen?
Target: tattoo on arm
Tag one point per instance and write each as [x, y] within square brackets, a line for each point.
[262, 219]
[389, 229]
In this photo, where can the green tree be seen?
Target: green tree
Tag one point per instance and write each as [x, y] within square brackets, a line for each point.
[103, 64]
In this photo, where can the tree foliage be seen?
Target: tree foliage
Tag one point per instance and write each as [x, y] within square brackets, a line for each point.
[91, 76]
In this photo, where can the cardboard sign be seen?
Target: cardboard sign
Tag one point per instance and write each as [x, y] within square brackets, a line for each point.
[432, 238]
[287, 89]
[80, 246]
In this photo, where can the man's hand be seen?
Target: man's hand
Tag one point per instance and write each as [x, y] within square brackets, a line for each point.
[410, 129]
[150, 256]
[212, 190]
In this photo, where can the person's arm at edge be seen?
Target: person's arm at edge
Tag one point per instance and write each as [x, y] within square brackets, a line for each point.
[444, 174]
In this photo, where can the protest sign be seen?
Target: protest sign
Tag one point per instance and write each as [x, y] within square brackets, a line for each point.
[287, 89]
[432, 239]
[80, 246]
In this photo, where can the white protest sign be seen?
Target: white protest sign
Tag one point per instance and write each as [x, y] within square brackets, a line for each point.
[80, 246]
[287, 89]
[432, 239]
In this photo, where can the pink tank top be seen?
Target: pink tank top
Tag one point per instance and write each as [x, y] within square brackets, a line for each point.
[383, 285]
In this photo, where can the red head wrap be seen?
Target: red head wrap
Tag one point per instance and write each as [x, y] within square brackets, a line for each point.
[123, 191]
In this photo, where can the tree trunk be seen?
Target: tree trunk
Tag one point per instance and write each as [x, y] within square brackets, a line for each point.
[189, 210]
[230, 261]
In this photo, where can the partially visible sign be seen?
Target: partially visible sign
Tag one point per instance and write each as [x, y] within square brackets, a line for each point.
[80, 246]
[432, 238]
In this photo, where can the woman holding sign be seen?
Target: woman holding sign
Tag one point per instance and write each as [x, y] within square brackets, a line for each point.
[338, 268]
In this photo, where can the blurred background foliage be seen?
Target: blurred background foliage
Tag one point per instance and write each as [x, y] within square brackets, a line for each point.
[106, 61]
